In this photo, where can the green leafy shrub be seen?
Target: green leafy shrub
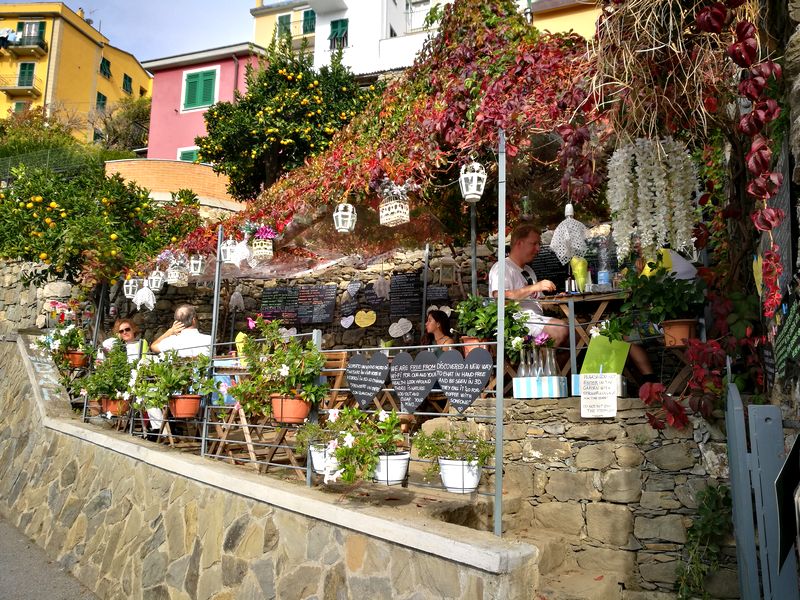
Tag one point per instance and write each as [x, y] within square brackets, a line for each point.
[455, 444]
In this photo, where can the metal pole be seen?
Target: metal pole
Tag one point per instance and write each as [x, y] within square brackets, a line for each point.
[501, 311]
[473, 226]
[97, 320]
[573, 354]
[214, 324]
[425, 287]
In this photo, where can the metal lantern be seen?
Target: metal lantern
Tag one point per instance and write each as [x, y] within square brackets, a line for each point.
[344, 218]
[197, 264]
[394, 211]
[155, 281]
[261, 249]
[177, 275]
[226, 251]
[131, 286]
[472, 181]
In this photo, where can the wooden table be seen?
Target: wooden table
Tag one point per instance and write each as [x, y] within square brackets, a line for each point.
[579, 335]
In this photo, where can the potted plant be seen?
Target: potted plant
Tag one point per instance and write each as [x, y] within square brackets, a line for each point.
[284, 370]
[108, 384]
[663, 299]
[67, 346]
[174, 381]
[319, 438]
[367, 448]
[477, 321]
[457, 455]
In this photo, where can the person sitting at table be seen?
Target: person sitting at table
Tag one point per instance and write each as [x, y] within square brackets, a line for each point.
[126, 331]
[521, 284]
[183, 336]
[437, 331]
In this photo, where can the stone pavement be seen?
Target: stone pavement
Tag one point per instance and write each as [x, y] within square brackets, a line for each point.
[27, 574]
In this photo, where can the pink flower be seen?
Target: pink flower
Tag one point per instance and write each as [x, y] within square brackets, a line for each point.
[237, 406]
[250, 323]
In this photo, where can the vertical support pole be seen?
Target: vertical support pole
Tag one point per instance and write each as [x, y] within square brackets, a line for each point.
[214, 325]
[425, 273]
[573, 353]
[316, 339]
[501, 307]
[473, 245]
[98, 318]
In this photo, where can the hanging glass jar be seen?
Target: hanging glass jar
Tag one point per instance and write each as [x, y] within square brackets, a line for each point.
[197, 264]
[155, 281]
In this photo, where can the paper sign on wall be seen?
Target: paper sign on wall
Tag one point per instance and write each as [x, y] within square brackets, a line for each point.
[599, 395]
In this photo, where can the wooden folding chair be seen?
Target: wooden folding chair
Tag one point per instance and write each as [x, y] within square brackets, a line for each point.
[334, 371]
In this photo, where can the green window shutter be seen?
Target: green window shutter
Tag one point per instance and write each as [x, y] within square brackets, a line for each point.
[41, 29]
[284, 25]
[334, 30]
[200, 88]
[101, 101]
[207, 91]
[188, 155]
[309, 21]
[127, 83]
[20, 27]
[105, 67]
[20, 107]
[26, 74]
[192, 85]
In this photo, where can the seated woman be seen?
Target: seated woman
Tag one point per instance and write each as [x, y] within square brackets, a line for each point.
[127, 332]
[437, 331]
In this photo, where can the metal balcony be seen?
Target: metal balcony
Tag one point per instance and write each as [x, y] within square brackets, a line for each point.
[15, 86]
[27, 46]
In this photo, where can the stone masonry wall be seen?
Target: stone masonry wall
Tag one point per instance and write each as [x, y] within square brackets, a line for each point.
[621, 493]
[126, 529]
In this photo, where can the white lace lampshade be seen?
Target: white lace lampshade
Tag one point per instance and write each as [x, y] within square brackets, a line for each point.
[261, 250]
[472, 181]
[394, 211]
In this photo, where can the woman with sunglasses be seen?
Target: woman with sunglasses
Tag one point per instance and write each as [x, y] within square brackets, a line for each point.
[127, 332]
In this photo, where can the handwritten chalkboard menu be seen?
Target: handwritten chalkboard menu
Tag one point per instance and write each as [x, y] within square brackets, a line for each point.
[547, 266]
[413, 379]
[365, 378]
[438, 294]
[787, 342]
[299, 305]
[371, 298]
[405, 295]
[463, 380]
[348, 307]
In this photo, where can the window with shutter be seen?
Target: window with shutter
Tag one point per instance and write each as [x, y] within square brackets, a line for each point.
[284, 25]
[127, 84]
[26, 74]
[338, 36]
[199, 89]
[309, 21]
[101, 102]
[105, 68]
[20, 107]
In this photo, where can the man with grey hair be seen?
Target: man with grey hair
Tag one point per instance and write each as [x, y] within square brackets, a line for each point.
[183, 336]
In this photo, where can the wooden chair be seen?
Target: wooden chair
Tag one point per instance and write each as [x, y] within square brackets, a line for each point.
[334, 371]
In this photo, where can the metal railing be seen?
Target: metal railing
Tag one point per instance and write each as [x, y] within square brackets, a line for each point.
[20, 81]
[30, 40]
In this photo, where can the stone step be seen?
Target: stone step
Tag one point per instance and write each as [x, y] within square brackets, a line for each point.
[578, 585]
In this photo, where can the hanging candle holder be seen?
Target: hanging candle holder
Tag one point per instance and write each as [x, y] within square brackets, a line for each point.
[197, 264]
[262, 249]
[394, 211]
[472, 181]
[227, 251]
[131, 286]
[177, 275]
[345, 217]
[155, 281]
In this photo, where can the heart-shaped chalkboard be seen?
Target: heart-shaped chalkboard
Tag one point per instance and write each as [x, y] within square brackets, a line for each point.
[413, 379]
[365, 378]
[353, 287]
[463, 380]
[347, 321]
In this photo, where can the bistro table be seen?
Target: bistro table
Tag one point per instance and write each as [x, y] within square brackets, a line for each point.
[579, 335]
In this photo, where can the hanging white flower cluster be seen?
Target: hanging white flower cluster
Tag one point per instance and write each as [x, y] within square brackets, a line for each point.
[652, 192]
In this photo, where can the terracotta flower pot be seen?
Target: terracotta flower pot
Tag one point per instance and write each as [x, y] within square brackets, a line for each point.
[116, 406]
[77, 359]
[289, 409]
[677, 331]
[184, 406]
[93, 408]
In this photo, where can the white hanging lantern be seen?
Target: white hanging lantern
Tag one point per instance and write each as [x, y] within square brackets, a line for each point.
[197, 264]
[130, 287]
[226, 251]
[155, 281]
[344, 218]
[177, 275]
[472, 181]
[394, 211]
[261, 250]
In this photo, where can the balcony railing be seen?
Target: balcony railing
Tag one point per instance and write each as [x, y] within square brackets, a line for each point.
[20, 85]
[28, 45]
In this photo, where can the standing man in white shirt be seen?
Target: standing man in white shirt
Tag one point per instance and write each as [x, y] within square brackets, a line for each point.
[521, 284]
[183, 336]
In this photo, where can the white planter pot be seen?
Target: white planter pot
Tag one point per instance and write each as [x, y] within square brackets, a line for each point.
[460, 476]
[319, 455]
[392, 468]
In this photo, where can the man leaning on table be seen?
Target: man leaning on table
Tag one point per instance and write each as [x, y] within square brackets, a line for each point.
[183, 336]
[521, 284]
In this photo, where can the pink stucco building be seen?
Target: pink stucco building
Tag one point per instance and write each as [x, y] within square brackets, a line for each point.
[184, 86]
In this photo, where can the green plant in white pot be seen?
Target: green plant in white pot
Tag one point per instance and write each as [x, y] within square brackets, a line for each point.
[457, 455]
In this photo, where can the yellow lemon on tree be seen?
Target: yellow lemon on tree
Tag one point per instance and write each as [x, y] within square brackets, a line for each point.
[174, 239]
[51, 225]
[43, 256]
[38, 199]
[113, 253]
[53, 205]
[29, 205]
[63, 214]
[113, 237]
[48, 220]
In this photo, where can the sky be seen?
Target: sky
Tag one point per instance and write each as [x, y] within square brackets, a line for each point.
[151, 29]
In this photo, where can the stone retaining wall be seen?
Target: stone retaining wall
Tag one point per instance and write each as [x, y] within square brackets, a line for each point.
[130, 521]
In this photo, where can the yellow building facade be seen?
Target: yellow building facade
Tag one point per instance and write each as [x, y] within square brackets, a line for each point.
[560, 16]
[52, 57]
[271, 18]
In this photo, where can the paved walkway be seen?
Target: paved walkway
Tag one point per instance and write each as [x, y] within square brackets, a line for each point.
[27, 574]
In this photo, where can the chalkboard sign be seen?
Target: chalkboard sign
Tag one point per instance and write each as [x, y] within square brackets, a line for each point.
[299, 305]
[405, 295]
[371, 298]
[438, 294]
[348, 307]
[413, 379]
[547, 266]
[787, 342]
[365, 378]
[463, 380]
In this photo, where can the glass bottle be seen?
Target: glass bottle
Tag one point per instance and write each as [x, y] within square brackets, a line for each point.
[550, 367]
[536, 363]
[524, 369]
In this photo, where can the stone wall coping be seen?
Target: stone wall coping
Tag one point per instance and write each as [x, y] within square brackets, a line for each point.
[477, 549]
